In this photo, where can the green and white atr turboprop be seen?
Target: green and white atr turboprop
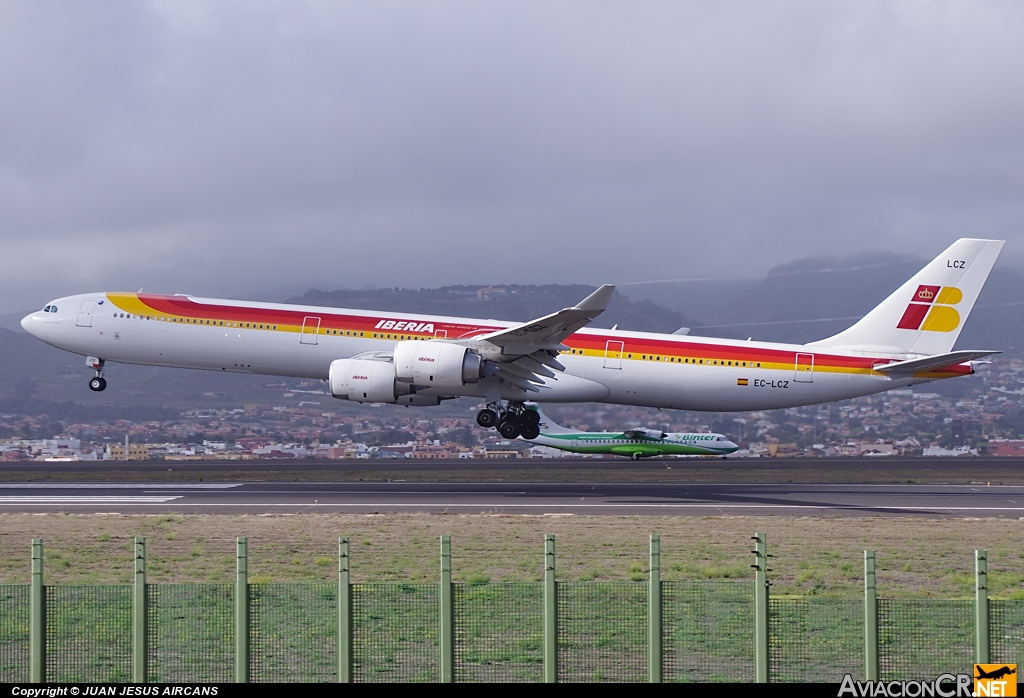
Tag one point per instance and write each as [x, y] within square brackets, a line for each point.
[634, 443]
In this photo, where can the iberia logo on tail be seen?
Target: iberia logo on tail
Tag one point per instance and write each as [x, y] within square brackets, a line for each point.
[930, 309]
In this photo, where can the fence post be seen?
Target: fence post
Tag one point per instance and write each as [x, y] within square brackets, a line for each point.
[655, 659]
[37, 617]
[981, 625]
[760, 608]
[446, 613]
[344, 614]
[242, 611]
[139, 635]
[870, 618]
[550, 612]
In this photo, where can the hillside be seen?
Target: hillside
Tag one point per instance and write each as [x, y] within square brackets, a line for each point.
[810, 299]
[37, 378]
[508, 302]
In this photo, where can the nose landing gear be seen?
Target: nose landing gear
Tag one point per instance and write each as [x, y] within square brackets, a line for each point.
[98, 383]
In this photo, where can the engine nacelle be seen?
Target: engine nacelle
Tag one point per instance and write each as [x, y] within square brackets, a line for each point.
[363, 380]
[418, 400]
[436, 364]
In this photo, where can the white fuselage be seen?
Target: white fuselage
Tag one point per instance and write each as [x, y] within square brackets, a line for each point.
[612, 366]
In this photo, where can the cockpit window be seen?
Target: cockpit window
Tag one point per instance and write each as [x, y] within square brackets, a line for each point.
[53, 308]
[47, 308]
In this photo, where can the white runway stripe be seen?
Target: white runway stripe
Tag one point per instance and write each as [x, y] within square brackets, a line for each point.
[116, 486]
[57, 500]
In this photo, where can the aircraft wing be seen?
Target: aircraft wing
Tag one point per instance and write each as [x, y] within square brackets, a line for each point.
[930, 363]
[644, 433]
[524, 355]
[552, 329]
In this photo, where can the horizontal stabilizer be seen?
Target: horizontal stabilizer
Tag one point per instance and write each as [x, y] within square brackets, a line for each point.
[931, 363]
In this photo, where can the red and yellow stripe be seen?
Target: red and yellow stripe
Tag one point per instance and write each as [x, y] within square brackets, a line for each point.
[686, 352]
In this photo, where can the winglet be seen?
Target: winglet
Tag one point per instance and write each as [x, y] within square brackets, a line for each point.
[598, 300]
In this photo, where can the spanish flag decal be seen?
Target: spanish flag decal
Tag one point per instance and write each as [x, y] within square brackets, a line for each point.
[930, 309]
[742, 381]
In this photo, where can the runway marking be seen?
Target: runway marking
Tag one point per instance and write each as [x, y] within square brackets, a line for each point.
[83, 500]
[117, 486]
[146, 501]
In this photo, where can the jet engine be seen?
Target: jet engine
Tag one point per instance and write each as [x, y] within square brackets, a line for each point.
[437, 364]
[365, 380]
[369, 380]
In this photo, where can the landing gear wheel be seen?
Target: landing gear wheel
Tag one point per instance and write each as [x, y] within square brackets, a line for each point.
[97, 384]
[487, 418]
[529, 431]
[530, 417]
[509, 429]
[636, 456]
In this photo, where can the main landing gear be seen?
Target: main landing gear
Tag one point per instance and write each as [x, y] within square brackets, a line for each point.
[97, 383]
[512, 421]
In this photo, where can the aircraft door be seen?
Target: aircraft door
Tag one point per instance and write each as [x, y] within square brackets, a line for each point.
[613, 353]
[85, 314]
[804, 368]
[310, 330]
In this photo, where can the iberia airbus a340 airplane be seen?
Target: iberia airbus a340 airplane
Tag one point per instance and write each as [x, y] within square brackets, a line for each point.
[406, 359]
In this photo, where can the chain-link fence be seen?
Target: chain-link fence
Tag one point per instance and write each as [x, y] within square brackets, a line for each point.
[922, 638]
[602, 631]
[293, 632]
[89, 633]
[1006, 628]
[708, 631]
[499, 632]
[191, 632]
[815, 640]
[395, 632]
[14, 610]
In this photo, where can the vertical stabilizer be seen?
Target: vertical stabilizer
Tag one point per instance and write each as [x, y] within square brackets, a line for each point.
[547, 425]
[925, 315]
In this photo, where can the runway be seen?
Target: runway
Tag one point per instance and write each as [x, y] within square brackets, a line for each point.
[541, 499]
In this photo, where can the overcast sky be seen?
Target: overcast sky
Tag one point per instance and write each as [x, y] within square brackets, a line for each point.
[226, 148]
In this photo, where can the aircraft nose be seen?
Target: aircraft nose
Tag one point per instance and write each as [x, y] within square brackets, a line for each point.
[28, 323]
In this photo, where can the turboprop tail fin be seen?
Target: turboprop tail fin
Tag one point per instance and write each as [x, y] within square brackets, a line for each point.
[925, 315]
[547, 425]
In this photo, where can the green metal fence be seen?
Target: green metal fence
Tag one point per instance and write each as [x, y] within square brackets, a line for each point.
[924, 637]
[293, 632]
[191, 632]
[1007, 631]
[395, 635]
[602, 631]
[502, 632]
[14, 624]
[708, 631]
[89, 633]
[815, 639]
